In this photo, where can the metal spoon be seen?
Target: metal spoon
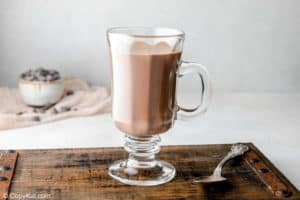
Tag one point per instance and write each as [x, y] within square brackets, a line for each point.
[236, 150]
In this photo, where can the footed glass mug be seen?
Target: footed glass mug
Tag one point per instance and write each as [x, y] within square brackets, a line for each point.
[145, 66]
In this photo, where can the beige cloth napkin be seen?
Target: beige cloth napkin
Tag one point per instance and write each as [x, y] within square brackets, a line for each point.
[80, 99]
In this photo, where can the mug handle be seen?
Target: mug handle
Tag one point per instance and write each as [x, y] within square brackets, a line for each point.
[206, 92]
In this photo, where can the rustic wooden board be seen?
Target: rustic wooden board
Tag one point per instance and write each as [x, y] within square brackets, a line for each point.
[82, 174]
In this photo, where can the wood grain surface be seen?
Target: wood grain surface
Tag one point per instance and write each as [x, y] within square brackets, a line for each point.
[7, 165]
[82, 174]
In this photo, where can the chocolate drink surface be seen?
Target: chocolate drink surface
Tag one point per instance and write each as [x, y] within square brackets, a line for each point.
[144, 86]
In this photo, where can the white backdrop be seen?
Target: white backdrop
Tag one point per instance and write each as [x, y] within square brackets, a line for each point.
[247, 45]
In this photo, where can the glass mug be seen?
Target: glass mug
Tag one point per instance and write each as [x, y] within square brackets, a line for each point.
[145, 66]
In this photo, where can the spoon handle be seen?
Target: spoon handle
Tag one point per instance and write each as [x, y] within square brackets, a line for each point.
[236, 150]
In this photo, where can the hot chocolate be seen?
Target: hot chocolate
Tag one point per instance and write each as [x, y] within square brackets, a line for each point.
[145, 65]
[144, 84]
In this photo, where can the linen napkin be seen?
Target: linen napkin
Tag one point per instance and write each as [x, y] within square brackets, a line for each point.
[80, 99]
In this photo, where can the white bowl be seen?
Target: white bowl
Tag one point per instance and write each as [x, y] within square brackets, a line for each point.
[41, 93]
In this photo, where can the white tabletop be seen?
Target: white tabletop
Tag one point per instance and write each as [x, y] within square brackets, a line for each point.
[270, 121]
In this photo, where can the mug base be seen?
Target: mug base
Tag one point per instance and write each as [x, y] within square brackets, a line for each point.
[161, 172]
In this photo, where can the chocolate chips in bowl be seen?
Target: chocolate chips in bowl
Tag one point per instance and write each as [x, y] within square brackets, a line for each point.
[41, 87]
[40, 74]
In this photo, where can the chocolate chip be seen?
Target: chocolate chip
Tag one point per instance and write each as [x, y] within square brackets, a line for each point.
[36, 110]
[23, 76]
[20, 113]
[65, 109]
[54, 111]
[41, 110]
[36, 118]
[75, 109]
[69, 92]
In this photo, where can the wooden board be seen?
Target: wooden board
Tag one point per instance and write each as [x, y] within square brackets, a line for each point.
[82, 174]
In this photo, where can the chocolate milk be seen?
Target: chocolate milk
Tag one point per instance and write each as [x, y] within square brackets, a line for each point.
[143, 88]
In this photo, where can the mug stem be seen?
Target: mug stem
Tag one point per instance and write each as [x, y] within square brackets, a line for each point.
[142, 150]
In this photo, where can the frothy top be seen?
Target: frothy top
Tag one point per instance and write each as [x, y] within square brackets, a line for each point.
[145, 48]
